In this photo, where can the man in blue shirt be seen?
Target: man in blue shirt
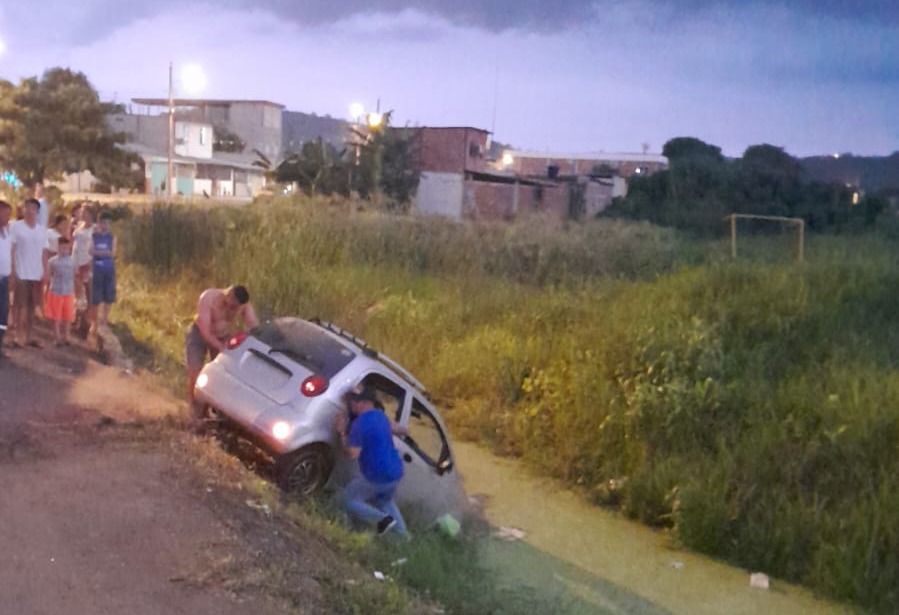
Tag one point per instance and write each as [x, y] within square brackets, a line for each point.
[103, 287]
[370, 495]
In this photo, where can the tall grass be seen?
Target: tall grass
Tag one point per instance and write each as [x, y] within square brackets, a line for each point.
[751, 406]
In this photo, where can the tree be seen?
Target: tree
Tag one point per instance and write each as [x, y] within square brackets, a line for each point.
[319, 168]
[768, 181]
[399, 169]
[387, 162]
[684, 148]
[56, 125]
[697, 184]
[227, 141]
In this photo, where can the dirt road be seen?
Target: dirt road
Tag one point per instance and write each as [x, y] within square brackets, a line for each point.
[97, 517]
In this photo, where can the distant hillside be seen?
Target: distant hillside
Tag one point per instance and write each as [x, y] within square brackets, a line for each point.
[871, 173]
[298, 127]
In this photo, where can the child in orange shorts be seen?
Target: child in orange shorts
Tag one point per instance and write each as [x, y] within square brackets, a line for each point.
[60, 302]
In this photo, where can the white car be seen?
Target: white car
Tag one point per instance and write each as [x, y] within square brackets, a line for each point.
[283, 383]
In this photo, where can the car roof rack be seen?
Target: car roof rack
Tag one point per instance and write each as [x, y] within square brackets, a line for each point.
[371, 352]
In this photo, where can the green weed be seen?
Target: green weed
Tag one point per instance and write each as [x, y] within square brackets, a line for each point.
[750, 405]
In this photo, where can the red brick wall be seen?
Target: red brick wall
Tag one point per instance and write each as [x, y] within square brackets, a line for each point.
[452, 150]
[495, 201]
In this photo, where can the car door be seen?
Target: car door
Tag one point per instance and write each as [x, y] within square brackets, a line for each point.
[430, 479]
[392, 400]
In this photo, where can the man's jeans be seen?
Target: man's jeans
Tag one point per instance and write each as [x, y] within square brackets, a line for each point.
[4, 306]
[371, 502]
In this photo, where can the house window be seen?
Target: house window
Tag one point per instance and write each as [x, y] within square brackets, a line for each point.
[202, 135]
[390, 395]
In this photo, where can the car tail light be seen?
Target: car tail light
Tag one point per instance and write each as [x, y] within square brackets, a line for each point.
[236, 340]
[314, 386]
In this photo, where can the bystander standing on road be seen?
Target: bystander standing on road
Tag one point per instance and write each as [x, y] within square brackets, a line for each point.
[103, 286]
[369, 439]
[60, 302]
[83, 236]
[5, 270]
[29, 260]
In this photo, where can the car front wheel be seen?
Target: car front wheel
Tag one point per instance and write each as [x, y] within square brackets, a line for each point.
[304, 471]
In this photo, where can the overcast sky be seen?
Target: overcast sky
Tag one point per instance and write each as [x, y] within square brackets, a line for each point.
[813, 76]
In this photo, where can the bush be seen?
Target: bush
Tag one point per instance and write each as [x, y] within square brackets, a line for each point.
[751, 405]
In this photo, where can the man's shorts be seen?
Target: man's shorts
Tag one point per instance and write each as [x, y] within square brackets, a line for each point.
[27, 294]
[196, 349]
[103, 287]
[60, 307]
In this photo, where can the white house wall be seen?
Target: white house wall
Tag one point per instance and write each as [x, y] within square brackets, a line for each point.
[201, 185]
[193, 139]
[225, 188]
[440, 194]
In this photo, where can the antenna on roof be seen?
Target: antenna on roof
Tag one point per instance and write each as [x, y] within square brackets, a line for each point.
[495, 94]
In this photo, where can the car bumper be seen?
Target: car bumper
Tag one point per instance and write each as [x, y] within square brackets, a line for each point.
[247, 408]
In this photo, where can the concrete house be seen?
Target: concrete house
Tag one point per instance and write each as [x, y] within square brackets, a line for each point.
[624, 165]
[458, 181]
[199, 170]
[257, 122]
[599, 177]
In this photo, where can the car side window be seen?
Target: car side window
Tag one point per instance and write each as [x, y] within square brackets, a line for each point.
[425, 435]
[390, 395]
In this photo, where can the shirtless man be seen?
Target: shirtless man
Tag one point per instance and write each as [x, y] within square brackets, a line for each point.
[217, 312]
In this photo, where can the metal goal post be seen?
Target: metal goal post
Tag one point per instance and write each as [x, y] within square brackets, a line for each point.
[798, 222]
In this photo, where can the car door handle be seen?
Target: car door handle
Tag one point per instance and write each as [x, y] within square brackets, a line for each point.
[407, 458]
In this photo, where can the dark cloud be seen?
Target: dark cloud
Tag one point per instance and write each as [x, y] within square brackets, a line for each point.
[489, 14]
[96, 17]
[549, 15]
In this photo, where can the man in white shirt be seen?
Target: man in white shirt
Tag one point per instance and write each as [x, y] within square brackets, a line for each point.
[29, 267]
[5, 269]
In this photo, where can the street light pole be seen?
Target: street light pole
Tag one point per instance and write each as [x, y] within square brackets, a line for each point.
[170, 171]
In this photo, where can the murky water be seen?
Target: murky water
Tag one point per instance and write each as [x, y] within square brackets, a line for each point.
[603, 563]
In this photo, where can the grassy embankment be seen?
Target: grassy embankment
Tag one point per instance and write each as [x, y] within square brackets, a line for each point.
[750, 406]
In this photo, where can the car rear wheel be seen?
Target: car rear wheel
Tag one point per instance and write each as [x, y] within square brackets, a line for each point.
[305, 471]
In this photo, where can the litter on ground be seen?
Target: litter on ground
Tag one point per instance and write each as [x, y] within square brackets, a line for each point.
[509, 533]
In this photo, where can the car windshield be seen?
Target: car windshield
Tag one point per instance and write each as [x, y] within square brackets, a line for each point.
[306, 344]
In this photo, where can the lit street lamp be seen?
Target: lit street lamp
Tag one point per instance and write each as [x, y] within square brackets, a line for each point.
[366, 125]
[375, 120]
[357, 110]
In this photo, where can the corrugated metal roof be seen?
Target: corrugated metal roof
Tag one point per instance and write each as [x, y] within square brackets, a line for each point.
[595, 156]
[237, 161]
[201, 102]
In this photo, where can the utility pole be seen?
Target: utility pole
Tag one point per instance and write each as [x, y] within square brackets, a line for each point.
[170, 175]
